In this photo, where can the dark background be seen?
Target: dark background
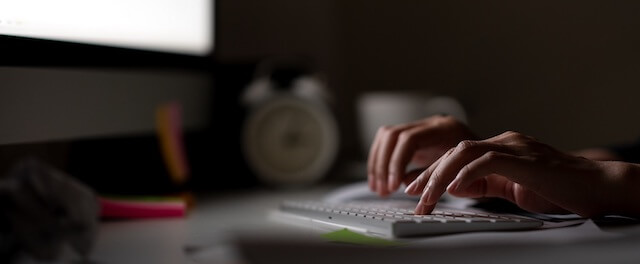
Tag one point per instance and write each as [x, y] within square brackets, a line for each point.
[565, 72]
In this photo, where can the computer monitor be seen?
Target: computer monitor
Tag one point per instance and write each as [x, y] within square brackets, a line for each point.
[81, 81]
[174, 26]
[72, 69]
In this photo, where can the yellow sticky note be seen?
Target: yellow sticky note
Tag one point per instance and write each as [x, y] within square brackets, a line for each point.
[348, 236]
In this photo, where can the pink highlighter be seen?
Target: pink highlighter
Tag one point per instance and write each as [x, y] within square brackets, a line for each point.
[142, 207]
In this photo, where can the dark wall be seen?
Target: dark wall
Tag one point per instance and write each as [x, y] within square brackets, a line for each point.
[565, 72]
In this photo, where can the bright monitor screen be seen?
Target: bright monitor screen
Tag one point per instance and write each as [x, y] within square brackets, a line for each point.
[174, 26]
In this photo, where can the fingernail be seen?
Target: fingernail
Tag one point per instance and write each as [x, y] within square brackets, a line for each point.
[454, 185]
[410, 188]
[429, 194]
[393, 182]
[381, 184]
[372, 184]
[382, 188]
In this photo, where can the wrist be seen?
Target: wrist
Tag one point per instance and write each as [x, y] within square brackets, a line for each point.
[621, 195]
[596, 154]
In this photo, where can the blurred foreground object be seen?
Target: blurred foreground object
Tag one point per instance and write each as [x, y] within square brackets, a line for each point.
[43, 209]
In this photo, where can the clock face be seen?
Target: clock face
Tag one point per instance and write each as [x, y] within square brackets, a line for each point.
[290, 141]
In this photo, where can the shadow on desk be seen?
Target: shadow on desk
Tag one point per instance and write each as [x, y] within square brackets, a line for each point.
[586, 243]
[617, 250]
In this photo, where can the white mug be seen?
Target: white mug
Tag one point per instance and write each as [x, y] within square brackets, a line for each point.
[376, 109]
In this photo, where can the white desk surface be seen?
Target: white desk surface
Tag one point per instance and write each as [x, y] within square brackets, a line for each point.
[165, 240]
[216, 215]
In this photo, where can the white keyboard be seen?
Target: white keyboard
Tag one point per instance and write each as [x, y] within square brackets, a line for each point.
[390, 221]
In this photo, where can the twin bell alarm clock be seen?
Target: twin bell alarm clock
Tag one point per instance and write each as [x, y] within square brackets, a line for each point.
[290, 135]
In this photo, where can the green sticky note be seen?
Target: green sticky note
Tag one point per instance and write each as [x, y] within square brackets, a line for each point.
[348, 236]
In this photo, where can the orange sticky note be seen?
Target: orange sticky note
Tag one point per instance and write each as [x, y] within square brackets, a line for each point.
[169, 130]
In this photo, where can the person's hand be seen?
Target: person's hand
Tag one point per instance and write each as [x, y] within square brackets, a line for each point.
[532, 175]
[422, 142]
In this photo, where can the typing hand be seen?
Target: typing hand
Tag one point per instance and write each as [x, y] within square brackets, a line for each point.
[422, 142]
[524, 171]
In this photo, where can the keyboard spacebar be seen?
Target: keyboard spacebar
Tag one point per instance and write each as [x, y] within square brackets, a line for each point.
[339, 226]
